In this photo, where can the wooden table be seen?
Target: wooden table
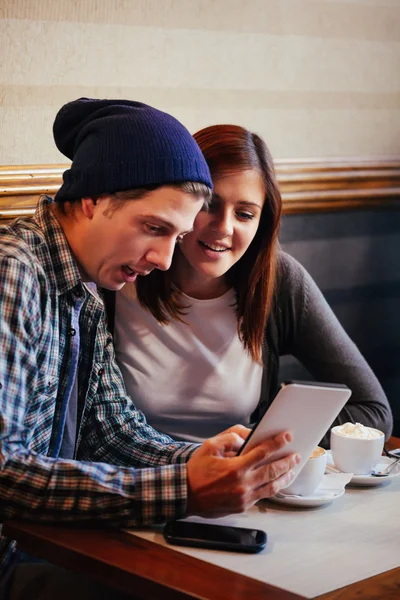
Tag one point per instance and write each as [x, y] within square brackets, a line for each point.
[148, 570]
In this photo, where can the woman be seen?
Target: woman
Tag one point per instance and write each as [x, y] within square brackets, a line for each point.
[199, 345]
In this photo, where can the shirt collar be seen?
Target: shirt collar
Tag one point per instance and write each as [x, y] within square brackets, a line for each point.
[64, 265]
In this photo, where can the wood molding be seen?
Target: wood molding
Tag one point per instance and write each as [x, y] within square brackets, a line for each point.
[306, 185]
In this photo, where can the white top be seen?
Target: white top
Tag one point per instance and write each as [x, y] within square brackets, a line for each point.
[191, 381]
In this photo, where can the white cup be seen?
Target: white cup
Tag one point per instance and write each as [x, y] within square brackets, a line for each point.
[355, 454]
[310, 475]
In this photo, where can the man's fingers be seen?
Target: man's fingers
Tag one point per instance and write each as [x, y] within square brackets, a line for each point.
[260, 453]
[275, 470]
[273, 487]
[240, 430]
[225, 443]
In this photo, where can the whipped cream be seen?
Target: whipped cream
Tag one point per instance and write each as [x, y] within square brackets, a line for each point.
[356, 430]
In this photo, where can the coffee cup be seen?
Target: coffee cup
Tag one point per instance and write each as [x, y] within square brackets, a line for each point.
[310, 475]
[356, 448]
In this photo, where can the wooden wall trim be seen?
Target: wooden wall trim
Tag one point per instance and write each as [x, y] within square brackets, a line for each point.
[306, 185]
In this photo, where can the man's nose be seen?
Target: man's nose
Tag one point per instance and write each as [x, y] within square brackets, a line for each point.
[161, 255]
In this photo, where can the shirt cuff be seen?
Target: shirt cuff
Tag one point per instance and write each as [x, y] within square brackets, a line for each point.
[182, 454]
[161, 494]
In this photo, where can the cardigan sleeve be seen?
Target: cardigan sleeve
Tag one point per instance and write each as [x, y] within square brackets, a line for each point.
[310, 331]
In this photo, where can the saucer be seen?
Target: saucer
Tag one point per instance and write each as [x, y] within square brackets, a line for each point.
[370, 480]
[306, 501]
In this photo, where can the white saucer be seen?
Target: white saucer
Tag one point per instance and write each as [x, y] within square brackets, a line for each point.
[306, 501]
[370, 480]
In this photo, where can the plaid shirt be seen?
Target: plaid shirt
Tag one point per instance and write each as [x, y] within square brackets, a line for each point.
[41, 290]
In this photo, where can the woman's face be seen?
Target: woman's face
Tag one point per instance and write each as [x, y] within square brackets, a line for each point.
[222, 234]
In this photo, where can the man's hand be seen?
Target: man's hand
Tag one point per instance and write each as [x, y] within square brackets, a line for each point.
[221, 483]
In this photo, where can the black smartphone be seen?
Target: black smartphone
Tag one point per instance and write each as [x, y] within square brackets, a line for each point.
[218, 537]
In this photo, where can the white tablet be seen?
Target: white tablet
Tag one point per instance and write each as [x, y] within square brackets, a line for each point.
[307, 409]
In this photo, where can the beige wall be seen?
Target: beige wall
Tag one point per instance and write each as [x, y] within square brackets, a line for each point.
[315, 78]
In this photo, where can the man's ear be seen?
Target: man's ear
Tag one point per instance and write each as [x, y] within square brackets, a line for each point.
[88, 206]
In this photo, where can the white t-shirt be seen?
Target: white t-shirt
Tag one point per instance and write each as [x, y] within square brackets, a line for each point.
[191, 380]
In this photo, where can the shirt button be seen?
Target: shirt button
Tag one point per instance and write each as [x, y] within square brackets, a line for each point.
[72, 331]
[100, 372]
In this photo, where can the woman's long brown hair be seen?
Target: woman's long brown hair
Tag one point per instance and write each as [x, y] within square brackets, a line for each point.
[231, 149]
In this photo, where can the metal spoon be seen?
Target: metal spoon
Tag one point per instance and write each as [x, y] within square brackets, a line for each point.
[386, 470]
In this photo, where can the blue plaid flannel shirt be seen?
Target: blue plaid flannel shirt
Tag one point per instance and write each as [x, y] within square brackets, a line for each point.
[125, 472]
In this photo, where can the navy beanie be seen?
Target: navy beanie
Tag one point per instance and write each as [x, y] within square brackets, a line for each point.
[119, 145]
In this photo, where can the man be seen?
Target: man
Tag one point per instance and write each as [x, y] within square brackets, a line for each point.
[72, 445]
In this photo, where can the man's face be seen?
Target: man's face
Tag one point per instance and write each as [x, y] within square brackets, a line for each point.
[114, 244]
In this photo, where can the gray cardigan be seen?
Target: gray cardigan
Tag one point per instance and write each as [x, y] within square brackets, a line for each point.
[303, 325]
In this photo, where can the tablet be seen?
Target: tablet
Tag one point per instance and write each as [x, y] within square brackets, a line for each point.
[307, 409]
